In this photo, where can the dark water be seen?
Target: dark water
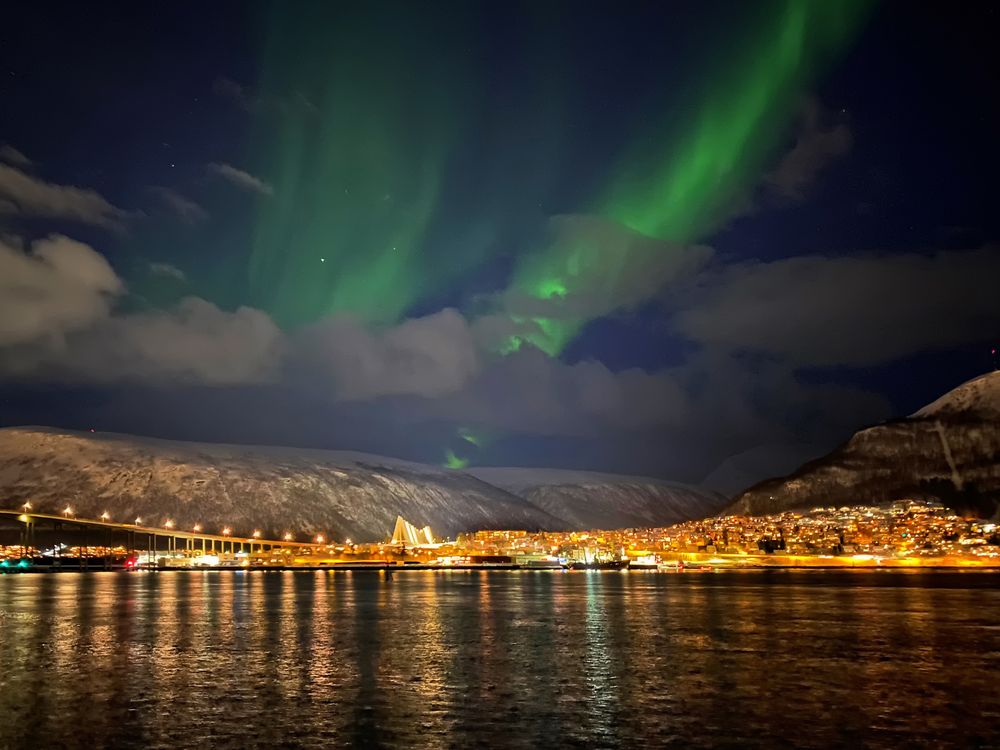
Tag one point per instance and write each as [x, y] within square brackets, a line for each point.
[500, 659]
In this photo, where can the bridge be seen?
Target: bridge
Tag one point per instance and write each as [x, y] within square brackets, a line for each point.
[149, 539]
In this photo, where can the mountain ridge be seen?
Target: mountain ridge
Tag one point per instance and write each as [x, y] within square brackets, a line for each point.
[948, 450]
[271, 488]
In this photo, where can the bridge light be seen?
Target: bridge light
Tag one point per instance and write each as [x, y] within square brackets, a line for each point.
[197, 528]
[168, 524]
[256, 534]
[138, 521]
[105, 516]
[288, 536]
[23, 518]
[320, 539]
[227, 531]
[27, 507]
[67, 511]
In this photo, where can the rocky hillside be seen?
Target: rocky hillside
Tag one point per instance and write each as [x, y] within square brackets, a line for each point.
[340, 494]
[589, 500]
[950, 449]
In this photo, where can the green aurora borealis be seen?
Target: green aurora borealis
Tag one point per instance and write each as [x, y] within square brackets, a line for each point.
[681, 179]
[396, 183]
[357, 172]
[391, 188]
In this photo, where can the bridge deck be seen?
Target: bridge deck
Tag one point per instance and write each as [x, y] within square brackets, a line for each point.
[31, 516]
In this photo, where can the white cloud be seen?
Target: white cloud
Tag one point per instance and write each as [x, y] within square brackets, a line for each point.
[822, 139]
[55, 286]
[430, 356]
[168, 270]
[847, 311]
[194, 342]
[184, 208]
[12, 156]
[591, 268]
[241, 179]
[28, 196]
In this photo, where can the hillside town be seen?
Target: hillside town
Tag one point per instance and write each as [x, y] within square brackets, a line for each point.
[905, 532]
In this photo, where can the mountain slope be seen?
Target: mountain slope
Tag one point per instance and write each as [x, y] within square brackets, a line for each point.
[337, 493]
[590, 500]
[979, 396]
[340, 494]
[950, 449]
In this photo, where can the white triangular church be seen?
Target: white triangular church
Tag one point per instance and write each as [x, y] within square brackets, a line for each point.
[408, 534]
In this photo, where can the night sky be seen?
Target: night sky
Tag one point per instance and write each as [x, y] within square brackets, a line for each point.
[633, 237]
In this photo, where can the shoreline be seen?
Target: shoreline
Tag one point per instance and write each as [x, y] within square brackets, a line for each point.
[353, 568]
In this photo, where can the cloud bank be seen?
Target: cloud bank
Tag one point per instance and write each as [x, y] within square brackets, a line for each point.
[51, 288]
[854, 311]
[753, 329]
[10, 155]
[27, 196]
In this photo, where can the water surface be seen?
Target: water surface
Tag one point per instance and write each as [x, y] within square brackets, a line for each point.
[500, 659]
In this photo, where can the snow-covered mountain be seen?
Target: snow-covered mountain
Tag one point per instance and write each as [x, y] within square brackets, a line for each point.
[591, 500]
[338, 493]
[950, 449]
[979, 396]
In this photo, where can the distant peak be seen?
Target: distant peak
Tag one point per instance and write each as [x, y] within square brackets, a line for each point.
[979, 396]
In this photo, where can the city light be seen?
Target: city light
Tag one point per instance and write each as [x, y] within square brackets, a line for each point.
[26, 507]
[904, 533]
[138, 521]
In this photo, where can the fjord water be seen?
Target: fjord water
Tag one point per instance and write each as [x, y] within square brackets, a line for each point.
[500, 659]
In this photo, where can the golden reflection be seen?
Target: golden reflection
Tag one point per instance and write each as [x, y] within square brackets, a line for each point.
[598, 657]
[459, 659]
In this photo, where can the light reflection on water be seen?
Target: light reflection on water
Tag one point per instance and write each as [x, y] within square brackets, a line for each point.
[510, 659]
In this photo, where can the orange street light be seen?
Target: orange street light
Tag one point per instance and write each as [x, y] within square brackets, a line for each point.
[288, 536]
[105, 516]
[197, 528]
[320, 539]
[138, 520]
[168, 524]
[67, 511]
[27, 507]
[227, 531]
[256, 534]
